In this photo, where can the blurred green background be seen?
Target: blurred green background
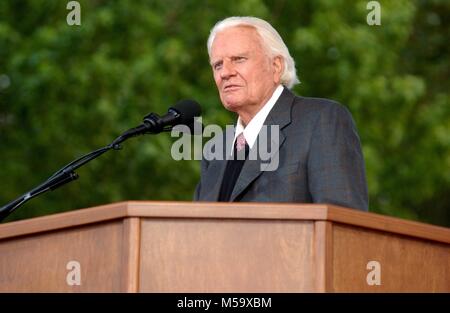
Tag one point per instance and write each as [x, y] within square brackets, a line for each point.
[66, 90]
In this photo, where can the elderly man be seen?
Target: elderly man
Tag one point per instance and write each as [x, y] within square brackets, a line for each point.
[318, 152]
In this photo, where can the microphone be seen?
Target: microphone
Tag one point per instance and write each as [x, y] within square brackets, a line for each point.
[182, 113]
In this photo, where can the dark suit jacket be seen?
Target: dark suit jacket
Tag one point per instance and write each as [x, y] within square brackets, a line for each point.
[319, 159]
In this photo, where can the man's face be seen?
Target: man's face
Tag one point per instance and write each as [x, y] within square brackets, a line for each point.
[245, 75]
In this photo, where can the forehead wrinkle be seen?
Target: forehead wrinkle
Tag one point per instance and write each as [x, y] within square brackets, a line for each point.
[252, 39]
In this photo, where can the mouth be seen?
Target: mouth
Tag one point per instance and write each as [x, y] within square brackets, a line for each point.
[231, 87]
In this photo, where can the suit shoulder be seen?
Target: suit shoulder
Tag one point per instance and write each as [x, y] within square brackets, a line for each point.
[317, 104]
[305, 106]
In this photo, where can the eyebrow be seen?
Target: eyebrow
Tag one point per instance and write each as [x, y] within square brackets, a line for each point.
[239, 55]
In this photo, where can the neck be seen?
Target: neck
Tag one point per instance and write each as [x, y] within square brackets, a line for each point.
[249, 112]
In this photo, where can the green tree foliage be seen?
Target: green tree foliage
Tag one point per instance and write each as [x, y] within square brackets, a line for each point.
[66, 90]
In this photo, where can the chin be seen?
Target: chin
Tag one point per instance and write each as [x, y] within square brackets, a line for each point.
[231, 104]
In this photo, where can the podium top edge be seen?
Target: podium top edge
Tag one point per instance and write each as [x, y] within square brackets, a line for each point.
[220, 211]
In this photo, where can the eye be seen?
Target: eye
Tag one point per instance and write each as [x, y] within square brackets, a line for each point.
[240, 59]
[217, 66]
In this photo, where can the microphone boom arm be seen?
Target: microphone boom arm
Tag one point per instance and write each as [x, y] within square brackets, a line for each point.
[153, 124]
[65, 175]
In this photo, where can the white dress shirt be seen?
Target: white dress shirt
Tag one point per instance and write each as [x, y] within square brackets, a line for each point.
[253, 128]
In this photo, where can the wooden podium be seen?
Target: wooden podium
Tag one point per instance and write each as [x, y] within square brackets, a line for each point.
[222, 247]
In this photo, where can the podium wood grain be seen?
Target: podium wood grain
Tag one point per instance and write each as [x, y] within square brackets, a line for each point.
[222, 247]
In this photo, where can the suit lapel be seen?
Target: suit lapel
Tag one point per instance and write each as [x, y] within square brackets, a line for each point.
[279, 115]
[218, 167]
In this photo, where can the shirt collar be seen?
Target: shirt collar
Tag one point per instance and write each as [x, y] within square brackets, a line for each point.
[253, 128]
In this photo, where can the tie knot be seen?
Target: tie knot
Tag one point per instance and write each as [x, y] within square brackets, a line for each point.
[240, 142]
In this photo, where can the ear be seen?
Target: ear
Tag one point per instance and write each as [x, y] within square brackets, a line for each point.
[278, 68]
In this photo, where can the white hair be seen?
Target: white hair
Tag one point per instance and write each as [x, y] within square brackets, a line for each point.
[271, 41]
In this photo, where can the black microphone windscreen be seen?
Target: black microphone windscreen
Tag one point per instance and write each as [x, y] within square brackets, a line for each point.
[188, 109]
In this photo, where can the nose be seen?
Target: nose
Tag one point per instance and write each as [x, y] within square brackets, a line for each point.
[228, 70]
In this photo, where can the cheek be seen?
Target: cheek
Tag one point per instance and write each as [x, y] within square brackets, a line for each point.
[264, 78]
[257, 74]
[217, 80]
